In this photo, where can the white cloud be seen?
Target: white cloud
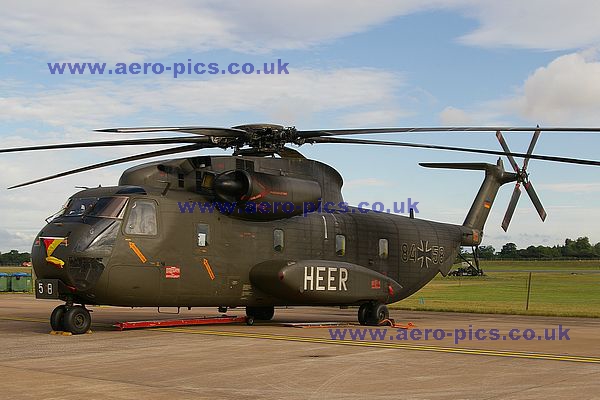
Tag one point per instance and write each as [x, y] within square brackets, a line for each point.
[283, 98]
[113, 30]
[565, 92]
[141, 29]
[15, 240]
[453, 116]
[536, 24]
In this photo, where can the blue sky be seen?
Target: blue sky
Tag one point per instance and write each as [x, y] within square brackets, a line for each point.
[352, 64]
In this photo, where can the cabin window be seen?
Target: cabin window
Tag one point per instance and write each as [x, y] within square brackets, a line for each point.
[142, 218]
[108, 207]
[383, 249]
[77, 207]
[278, 240]
[202, 235]
[340, 245]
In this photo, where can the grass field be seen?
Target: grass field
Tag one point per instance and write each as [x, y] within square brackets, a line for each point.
[10, 270]
[533, 265]
[552, 293]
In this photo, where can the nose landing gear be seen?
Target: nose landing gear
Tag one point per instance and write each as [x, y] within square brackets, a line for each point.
[74, 319]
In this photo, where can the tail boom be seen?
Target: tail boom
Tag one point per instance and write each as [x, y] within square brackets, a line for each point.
[495, 177]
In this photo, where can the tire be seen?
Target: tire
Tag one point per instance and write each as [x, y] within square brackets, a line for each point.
[363, 314]
[57, 318]
[77, 320]
[379, 313]
[261, 313]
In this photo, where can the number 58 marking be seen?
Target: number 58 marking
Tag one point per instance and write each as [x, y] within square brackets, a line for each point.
[49, 288]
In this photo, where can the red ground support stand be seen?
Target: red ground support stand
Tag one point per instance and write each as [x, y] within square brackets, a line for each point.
[182, 322]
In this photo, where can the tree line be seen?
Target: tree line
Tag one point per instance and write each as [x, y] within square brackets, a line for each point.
[14, 257]
[581, 248]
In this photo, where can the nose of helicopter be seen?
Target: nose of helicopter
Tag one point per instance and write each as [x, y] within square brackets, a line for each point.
[49, 256]
[62, 252]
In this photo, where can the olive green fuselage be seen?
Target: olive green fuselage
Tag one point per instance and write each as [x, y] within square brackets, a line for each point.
[191, 259]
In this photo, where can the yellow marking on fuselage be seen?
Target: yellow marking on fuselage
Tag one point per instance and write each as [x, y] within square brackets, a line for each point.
[211, 274]
[137, 252]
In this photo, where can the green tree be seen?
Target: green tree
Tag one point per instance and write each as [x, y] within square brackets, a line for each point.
[487, 252]
[13, 257]
[509, 250]
[583, 247]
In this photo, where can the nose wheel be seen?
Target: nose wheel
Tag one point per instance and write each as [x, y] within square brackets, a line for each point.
[74, 319]
[372, 313]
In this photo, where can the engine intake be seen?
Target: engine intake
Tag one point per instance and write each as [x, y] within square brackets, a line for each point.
[264, 197]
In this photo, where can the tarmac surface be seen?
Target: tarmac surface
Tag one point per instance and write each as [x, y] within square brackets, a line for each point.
[272, 360]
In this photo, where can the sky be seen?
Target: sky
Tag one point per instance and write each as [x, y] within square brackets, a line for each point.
[351, 64]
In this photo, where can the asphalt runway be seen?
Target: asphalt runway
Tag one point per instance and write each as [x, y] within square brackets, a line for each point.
[274, 360]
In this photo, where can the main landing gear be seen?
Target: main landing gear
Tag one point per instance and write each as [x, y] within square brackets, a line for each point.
[259, 313]
[373, 313]
[74, 319]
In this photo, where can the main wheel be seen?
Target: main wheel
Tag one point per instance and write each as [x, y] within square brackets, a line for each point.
[379, 313]
[57, 318]
[77, 320]
[260, 313]
[363, 314]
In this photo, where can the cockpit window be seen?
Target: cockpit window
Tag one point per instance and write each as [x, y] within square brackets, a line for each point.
[77, 207]
[108, 207]
[142, 218]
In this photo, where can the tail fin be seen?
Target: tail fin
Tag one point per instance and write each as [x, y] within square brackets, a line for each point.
[495, 176]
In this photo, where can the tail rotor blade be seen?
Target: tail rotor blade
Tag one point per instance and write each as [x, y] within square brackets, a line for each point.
[534, 140]
[507, 150]
[535, 200]
[511, 206]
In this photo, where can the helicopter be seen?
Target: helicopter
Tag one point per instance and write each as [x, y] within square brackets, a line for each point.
[261, 228]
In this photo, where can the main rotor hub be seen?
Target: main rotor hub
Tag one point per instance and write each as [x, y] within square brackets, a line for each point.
[265, 138]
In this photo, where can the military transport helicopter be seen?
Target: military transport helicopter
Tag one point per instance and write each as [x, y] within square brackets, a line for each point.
[279, 233]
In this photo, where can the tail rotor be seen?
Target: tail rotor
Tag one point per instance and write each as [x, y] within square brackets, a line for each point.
[522, 179]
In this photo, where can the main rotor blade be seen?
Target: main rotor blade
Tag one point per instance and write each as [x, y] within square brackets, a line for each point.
[128, 142]
[451, 148]
[534, 140]
[514, 199]
[360, 131]
[196, 130]
[504, 145]
[535, 200]
[115, 162]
